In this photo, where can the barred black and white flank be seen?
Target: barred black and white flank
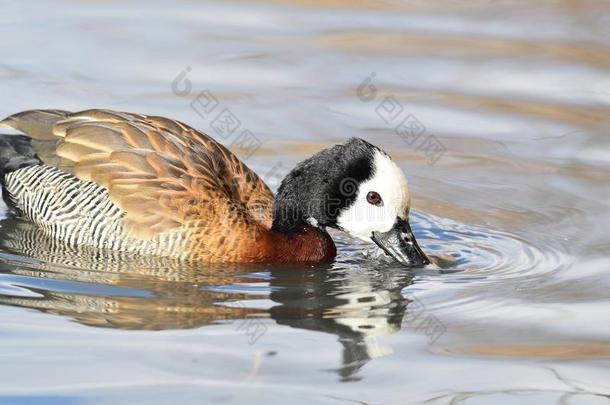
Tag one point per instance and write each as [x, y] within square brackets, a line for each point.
[75, 211]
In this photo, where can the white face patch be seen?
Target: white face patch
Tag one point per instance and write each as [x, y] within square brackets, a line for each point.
[361, 219]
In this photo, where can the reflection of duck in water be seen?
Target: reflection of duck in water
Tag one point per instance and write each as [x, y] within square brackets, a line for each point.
[145, 293]
[130, 291]
[155, 186]
[357, 305]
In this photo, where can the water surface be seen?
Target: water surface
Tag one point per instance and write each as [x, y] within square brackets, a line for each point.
[507, 154]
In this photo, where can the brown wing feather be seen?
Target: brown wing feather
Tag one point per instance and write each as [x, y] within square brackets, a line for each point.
[165, 175]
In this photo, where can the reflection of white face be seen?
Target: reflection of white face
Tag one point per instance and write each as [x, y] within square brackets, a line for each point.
[362, 218]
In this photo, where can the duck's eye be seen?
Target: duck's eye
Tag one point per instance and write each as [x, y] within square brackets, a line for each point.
[374, 198]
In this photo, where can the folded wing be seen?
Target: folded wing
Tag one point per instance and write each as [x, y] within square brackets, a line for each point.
[163, 174]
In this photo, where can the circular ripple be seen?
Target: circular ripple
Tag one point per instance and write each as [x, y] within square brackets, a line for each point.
[467, 252]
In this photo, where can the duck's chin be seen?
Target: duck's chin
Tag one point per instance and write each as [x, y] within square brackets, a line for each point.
[364, 238]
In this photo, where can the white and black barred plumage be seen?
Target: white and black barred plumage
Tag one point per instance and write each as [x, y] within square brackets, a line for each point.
[76, 211]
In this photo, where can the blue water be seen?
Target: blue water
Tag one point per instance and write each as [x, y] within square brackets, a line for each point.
[509, 176]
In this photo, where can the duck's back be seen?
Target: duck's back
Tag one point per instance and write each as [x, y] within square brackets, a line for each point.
[134, 183]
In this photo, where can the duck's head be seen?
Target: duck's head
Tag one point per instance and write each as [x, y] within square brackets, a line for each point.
[357, 188]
